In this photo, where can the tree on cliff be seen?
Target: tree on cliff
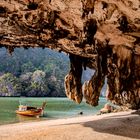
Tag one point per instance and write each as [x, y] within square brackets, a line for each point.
[10, 85]
[100, 34]
[38, 84]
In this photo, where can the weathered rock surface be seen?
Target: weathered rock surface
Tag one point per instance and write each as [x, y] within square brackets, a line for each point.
[100, 34]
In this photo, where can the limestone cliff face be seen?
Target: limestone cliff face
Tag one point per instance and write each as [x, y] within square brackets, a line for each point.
[103, 35]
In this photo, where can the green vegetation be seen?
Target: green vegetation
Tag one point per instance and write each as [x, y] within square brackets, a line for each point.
[10, 85]
[32, 72]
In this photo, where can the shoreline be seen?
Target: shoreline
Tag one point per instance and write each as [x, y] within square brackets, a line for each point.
[121, 125]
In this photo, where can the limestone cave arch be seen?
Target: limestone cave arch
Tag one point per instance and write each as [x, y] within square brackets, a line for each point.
[103, 35]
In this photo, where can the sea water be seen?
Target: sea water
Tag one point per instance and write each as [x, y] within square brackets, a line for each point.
[56, 108]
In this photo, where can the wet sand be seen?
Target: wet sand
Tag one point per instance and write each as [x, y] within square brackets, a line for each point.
[113, 126]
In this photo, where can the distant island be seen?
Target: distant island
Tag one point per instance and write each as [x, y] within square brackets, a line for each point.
[33, 73]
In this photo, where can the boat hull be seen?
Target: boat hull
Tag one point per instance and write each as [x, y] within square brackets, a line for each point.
[30, 112]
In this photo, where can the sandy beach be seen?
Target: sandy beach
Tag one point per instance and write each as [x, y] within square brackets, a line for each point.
[113, 126]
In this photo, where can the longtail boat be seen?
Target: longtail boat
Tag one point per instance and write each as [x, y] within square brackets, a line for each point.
[31, 111]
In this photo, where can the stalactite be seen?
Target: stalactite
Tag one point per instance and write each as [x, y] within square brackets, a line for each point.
[73, 84]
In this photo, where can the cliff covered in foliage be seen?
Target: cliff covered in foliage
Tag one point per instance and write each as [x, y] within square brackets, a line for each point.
[33, 72]
[100, 34]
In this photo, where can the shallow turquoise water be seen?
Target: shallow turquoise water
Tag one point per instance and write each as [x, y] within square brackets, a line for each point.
[56, 108]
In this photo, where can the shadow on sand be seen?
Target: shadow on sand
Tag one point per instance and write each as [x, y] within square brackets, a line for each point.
[120, 125]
